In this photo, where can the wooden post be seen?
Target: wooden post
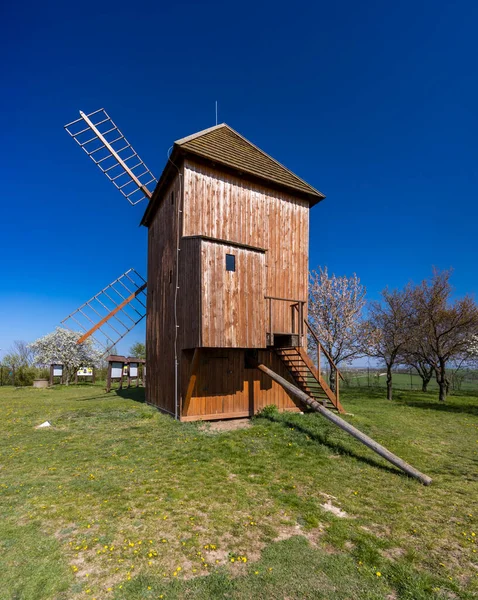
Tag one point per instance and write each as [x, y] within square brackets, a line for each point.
[129, 376]
[270, 321]
[350, 429]
[76, 377]
[192, 382]
[337, 384]
[108, 377]
[51, 374]
[13, 375]
[93, 376]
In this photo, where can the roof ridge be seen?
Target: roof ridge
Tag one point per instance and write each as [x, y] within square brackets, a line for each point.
[193, 136]
[295, 178]
[274, 160]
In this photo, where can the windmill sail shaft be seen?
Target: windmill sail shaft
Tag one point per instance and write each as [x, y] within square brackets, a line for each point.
[86, 335]
[143, 188]
[111, 313]
[111, 152]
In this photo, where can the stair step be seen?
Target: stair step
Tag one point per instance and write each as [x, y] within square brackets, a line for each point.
[303, 375]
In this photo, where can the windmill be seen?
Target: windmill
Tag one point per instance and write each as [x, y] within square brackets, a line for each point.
[115, 310]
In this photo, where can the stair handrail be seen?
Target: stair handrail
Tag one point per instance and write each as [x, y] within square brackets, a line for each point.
[324, 350]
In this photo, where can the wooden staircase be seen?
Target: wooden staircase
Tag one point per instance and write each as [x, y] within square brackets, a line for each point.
[307, 377]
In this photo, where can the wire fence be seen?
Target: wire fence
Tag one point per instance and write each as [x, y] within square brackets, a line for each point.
[461, 380]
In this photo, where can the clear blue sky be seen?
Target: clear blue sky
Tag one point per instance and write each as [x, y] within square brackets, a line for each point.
[373, 103]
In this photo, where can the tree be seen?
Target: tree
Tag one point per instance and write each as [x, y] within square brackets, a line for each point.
[61, 347]
[473, 346]
[19, 355]
[443, 329]
[388, 329]
[423, 368]
[335, 313]
[20, 360]
[138, 350]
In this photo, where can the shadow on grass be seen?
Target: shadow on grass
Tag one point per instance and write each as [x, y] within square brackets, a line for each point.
[471, 409]
[337, 447]
[133, 393]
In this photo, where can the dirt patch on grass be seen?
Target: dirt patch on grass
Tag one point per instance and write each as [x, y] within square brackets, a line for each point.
[335, 510]
[229, 425]
[393, 553]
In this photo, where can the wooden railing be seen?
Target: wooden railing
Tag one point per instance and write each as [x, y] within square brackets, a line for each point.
[297, 324]
[320, 349]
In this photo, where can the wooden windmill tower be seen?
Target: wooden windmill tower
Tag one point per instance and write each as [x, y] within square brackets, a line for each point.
[228, 230]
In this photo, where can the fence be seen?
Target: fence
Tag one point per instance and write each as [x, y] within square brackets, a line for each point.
[461, 380]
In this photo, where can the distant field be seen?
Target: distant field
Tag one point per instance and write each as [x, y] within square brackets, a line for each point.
[117, 501]
[468, 381]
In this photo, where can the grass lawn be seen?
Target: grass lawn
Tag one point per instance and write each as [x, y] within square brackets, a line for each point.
[116, 500]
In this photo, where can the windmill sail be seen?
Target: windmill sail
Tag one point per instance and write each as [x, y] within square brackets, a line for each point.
[103, 142]
[112, 313]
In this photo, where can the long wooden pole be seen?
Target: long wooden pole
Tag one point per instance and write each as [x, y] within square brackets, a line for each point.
[361, 437]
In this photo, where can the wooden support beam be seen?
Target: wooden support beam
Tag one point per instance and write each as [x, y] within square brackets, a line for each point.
[350, 429]
[192, 382]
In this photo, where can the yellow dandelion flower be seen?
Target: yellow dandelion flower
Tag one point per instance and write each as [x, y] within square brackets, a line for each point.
[378, 574]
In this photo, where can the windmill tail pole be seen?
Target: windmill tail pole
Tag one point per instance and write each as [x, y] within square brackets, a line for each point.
[361, 437]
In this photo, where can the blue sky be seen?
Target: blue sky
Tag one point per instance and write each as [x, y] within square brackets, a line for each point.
[374, 103]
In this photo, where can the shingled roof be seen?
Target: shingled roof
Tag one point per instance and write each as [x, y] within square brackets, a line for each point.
[223, 145]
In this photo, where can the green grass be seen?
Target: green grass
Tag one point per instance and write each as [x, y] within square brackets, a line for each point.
[115, 496]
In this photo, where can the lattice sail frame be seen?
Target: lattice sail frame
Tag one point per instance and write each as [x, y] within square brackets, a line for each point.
[112, 313]
[103, 142]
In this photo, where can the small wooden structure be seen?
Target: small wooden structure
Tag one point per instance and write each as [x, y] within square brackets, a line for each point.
[227, 280]
[135, 368]
[116, 365]
[56, 371]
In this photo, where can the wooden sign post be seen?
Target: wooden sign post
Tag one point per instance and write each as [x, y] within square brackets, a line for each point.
[85, 373]
[56, 370]
[134, 366]
[115, 370]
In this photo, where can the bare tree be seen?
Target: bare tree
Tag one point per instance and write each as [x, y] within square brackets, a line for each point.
[423, 368]
[410, 356]
[388, 327]
[443, 329]
[19, 355]
[335, 315]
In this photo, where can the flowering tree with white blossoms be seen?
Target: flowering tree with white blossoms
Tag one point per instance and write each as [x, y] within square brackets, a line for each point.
[335, 315]
[61, 347]
[473, 347]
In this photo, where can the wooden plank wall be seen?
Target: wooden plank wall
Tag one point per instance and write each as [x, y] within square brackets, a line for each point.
[225, 388]
[189, 293]
[232, 301]
[160, 325]
[229, 208]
